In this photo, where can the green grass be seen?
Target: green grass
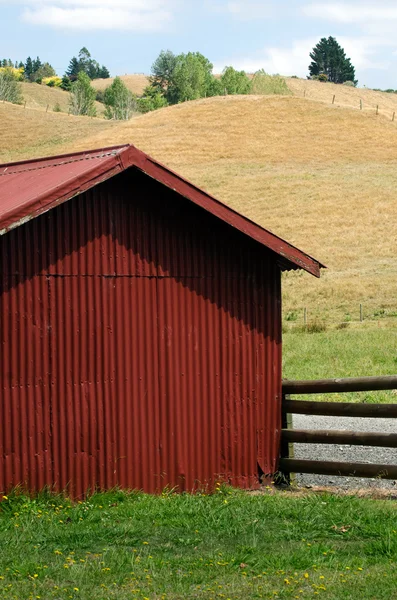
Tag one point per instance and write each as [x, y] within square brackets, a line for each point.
[227, 545]
[355, 352]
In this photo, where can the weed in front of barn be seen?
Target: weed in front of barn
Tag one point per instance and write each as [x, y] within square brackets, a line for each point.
[229, 544]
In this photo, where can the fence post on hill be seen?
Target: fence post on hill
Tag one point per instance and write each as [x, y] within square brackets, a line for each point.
[333, 99]
[394, 114]
[377, 109]
[361, 104]
[305, 316]
[47, 108]
[361, 313]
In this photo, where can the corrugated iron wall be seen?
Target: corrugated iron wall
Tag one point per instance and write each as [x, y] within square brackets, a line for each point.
[140, 346]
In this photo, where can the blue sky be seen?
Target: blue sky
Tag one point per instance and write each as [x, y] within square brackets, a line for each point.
[127, 35]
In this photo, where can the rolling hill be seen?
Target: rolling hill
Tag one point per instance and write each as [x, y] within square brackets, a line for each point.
[323, 177]
[46, 98]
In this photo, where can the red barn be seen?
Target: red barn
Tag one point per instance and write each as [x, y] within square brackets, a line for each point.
[140, 329]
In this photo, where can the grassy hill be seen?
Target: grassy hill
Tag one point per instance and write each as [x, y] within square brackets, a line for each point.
[135, 83]
[41, 96]
[29, 132]
[324, 177]
[345, 96]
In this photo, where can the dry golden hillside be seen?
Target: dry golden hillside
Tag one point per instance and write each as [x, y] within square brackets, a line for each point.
[323, 177]
[345, 96]
[41, 96]
[135, 83]
[29, 132]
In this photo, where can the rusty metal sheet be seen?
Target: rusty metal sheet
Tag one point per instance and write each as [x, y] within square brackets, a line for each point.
[140, 346]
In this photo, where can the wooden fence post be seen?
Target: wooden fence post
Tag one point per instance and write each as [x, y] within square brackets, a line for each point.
[377, 109]
[333, 99]
[305, 316]
[361, 104]
[286, 448]
[394, 114]
[361, 313]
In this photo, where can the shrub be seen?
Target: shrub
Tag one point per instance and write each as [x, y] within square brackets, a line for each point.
[57, 107]
[349, 83]
[17, 74]
[291, 315]
[100, 96]
[152, 99]
[53, 81]
[9, 87]
[343, 325]
[322, 77]
[264, 84]
[315, 327]
[66, 84]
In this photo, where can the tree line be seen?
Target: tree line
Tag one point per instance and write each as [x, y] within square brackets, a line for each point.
[173, 79]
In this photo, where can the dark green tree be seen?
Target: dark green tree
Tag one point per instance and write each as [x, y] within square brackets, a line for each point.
[37, 64]
[73, 69]
[104, 72]
[28, 68]
[66, 83]
[329, 58]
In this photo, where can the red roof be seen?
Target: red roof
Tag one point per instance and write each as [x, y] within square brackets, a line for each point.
[29, 188]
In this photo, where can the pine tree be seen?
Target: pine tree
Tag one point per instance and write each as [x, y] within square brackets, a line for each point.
[37, 64]
[329, 58]
[28, 68]
[73, 69]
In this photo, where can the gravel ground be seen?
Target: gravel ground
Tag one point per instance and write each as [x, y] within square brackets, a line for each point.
[362, 454]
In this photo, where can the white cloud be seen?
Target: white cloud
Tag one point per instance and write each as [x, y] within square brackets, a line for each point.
[286, 61]
[135, 15]
[351, 12]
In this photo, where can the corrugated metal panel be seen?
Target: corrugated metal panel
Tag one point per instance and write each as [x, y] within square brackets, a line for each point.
[140, 346]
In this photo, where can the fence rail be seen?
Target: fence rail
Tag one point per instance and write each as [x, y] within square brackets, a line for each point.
[288, 464]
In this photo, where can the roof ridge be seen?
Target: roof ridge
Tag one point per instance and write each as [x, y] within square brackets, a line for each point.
[57, 164]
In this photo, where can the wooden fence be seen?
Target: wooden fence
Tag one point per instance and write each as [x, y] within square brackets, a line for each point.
[288, 464]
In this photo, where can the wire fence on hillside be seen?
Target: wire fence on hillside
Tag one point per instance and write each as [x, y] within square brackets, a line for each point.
[361, 105]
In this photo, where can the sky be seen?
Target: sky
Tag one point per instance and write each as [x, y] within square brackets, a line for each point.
[276, 35]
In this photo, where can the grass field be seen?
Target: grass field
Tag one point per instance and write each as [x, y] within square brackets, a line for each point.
[352, 352]
[231, 545]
